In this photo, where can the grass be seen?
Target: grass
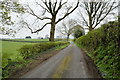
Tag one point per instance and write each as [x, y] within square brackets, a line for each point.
[61, 47]
[36, 39]
[12, 59]
[10, 51]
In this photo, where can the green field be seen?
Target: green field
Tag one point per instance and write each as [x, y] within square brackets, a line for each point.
[30, 39]
[10, 51]
[16, 55]
[35, 39]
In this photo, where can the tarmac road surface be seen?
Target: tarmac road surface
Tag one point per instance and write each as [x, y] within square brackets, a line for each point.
[68, 63]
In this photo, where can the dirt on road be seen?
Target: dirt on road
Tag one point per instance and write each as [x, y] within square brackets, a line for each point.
[71, 62]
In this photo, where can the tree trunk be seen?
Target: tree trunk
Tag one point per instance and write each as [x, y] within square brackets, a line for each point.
[90, 28]
[52, 31]
[90, 22]
[68, 37]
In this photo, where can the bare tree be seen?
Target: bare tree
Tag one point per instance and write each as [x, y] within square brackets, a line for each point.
[67, 27]
[96, 12]
[53, 8]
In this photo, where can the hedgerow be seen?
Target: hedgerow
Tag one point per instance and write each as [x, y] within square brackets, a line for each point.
[103, 46]
[29, 50]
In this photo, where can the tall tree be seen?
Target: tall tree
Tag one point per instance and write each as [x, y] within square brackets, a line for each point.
[53, 8]
[96, 12]
[67, 27]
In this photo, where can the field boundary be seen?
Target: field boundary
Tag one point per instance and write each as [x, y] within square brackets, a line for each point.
[22, 41]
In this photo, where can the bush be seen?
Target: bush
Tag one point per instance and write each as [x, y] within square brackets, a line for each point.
[103, 46]
[28, 50]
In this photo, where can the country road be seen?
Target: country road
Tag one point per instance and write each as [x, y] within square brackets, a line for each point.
[68, 63]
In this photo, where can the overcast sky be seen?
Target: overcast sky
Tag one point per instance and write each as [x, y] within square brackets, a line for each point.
[23, 32]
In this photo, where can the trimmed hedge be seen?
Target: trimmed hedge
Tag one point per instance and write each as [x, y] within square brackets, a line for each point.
[104, 48]
[29, 50]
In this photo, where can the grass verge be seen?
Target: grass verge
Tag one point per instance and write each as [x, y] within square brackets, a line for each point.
[102, 45]
[15, 62]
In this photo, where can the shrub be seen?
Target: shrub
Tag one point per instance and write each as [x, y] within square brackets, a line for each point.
[29, 50]
[103, 46]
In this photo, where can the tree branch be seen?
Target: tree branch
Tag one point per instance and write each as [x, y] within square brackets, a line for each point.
[99, 20]
[43, 7]
[60, 6]
[47, 5]
[50, 7]
[67, 13]
[65, 27]
[32, 13]
[83, 18]
[28, 26]
[54, 6]
[41, 28]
